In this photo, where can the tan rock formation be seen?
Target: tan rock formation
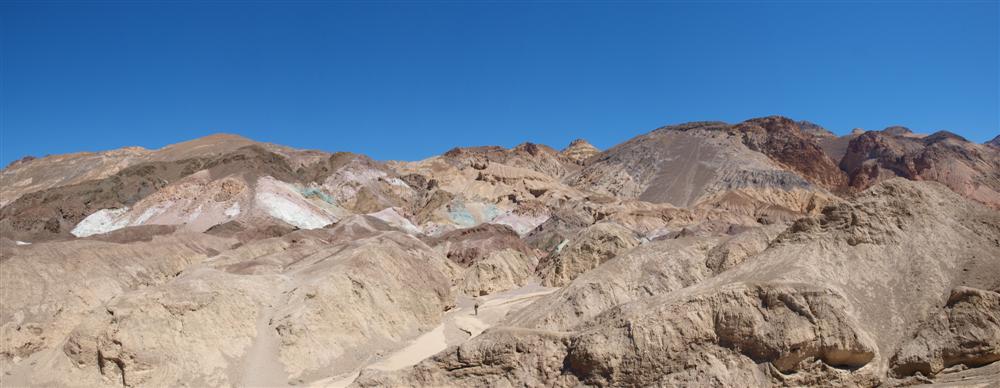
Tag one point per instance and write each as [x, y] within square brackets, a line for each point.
[579, 151]
[501, 270]
[588, 250]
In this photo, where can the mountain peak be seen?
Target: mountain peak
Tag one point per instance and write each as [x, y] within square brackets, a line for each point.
[995, 143]
[897, 130]
[943, 135]
[534, 149]
[215, 138]
[814, 129]
[579, 150]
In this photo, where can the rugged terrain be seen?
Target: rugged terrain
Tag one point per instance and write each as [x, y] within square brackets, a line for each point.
[769, 252]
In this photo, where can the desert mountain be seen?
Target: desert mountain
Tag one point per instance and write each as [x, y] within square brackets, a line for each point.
[814, 130]
[995, 143]
[579, 151]
[769, 252]
[767, 161]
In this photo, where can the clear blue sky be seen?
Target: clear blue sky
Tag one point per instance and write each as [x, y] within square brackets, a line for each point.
[398, 80]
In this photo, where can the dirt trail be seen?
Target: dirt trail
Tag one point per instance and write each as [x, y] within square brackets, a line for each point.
[261, 366]
[458, 325]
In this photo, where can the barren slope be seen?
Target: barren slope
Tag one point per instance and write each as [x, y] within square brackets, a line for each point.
[687, 164]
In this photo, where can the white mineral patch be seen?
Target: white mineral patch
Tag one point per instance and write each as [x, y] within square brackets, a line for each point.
[195, 214]
[361, 175]
[233, 210]
[286, 210]
[658, 232]
[283, 201]
[520, 223]
[392, 217]
[102, 221]
[562, 245]
[397, 182]
[150, 213]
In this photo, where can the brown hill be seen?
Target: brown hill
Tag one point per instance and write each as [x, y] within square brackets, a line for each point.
[687, 164]
[579, 151]
[969, 169]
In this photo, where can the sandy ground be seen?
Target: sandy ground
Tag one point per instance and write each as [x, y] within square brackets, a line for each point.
[458, 325]
[424, 346]
[261, 367]
[985, 377]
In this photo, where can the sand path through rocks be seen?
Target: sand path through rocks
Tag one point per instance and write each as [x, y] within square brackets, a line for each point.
[458, 325]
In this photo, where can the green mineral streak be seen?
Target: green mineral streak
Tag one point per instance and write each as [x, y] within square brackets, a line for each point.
[310, 192]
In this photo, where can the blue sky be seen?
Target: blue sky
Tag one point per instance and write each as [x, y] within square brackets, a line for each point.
[401, 80]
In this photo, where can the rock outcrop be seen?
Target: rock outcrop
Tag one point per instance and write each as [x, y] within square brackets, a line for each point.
[48, 288]
[501, 270]
[579, 151]
[966, 331]
[471, 245]
[814, 130]
[783, 141]
[969, 169]
[586, 251]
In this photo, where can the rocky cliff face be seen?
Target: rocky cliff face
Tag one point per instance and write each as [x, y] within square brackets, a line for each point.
[764, 253]
[587, 250]
[782, 140]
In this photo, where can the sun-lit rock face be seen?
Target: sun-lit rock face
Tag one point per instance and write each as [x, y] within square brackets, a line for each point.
[769, 252]
[586, 251]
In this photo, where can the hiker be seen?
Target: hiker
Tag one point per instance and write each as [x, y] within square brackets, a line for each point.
[476, 305]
